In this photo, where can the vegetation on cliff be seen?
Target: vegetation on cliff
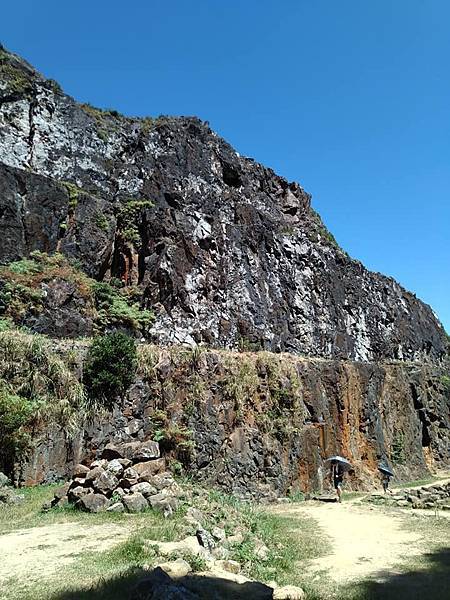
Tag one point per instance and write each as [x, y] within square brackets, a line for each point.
[45, 285]
[37, 387]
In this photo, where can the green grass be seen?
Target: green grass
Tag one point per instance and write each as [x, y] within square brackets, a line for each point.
[416, 483]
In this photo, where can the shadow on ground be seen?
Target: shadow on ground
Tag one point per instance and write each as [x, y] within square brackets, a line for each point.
[430, 583]
[128, 587]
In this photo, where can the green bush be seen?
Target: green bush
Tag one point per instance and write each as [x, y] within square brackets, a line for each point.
[16, 413]
[114, 309]
[110, 367]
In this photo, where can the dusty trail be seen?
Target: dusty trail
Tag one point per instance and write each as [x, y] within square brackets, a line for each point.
[365, 541]
[44, 550]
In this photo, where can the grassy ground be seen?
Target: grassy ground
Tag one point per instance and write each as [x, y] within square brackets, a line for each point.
[108, 575]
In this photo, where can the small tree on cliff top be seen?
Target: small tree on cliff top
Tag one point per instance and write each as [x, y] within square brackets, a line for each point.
[110, 367]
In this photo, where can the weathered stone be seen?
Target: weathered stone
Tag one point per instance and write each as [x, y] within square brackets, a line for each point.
[62, 491]
[105, 483]
[144, 488]
[130, 473]
[218, 534]
[4, 481]
[117, 507]
[135, 502]
[176, 568]
[288, 592]
[101, 462]
[146, 451]
[163, 503]
[111, 452]
[188, 545]
[93, 474]
[149, 468]
[80, 471]
[115, 467]
[205, 539]
[93, 503]
[232, 566]
[194, 516]
[77, 492]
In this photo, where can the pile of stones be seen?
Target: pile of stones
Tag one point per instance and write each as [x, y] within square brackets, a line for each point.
[429, 497]
[7, 493]
[126, 478]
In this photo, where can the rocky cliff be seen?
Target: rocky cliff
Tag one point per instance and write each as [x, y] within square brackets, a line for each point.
[263, 423]
[223, 250]
[226, 255]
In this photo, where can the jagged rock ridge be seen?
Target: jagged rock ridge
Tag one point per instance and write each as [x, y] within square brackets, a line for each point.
[222, 249]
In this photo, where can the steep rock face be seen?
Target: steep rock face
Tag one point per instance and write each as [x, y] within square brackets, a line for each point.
[223, 250]
[263, 423]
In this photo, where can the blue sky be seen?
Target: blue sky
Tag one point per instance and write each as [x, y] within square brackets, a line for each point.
[350, 98]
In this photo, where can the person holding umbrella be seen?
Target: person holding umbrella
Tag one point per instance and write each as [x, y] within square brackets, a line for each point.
[386, 475]
[339, 466]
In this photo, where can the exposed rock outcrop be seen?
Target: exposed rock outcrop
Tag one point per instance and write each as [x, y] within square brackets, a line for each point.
[262, 424]
[223, 250]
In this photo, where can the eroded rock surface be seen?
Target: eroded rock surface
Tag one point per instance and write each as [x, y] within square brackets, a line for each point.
[223, 250]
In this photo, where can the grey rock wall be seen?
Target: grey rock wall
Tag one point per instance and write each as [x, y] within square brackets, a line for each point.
[230, 254]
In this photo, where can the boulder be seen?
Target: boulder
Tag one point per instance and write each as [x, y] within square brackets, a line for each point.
[188, 545]
[218, 534]
[93, 473]
[61, 492]
[176, 568]
[146, 451]
[205, 539]
[93, 503]
[77, 492]
[149, 468]
[111, 452]
[115, 467]
[130, 473]
[231, 566]
[4, 481]
[105, 483]
[117, 507]
[100, 462]
[135, 502]
[144, 488]
[163, 503]
[288, 592]
[80, 471]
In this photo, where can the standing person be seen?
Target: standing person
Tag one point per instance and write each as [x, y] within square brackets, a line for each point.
[386, 479]
[386, 474]
[337, 476]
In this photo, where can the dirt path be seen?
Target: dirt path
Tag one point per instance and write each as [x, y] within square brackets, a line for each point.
[31, 552]
[365, 541]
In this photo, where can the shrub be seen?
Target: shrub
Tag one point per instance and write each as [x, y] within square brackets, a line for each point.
[16, 412]
[36, 386]
[110, 367]
[114, 310]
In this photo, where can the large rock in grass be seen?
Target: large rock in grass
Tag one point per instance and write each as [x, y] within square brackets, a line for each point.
[144, 488]
[135, 502]
[163, 503]
[93, 503]
[4, 481]
[289, 592]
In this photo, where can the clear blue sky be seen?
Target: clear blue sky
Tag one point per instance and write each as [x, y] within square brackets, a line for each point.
[350, 98]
